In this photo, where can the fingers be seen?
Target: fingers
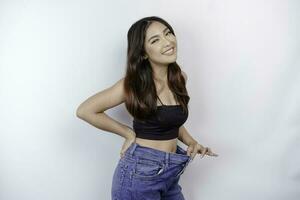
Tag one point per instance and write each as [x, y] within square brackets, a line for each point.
[209, 152]
[204, 152]
[121, 154]
[191, 152]
[193, 155]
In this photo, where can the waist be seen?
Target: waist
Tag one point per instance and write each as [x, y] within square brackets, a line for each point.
[162, 145]
[137, 151]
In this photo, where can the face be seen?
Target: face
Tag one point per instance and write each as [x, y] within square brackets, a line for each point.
[160, 44]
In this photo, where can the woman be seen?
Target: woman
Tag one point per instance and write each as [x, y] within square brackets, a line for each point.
[155, 94]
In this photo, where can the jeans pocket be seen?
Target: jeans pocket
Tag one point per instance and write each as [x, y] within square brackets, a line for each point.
[146, 169]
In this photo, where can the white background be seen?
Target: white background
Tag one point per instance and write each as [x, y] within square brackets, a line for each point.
[242, 61]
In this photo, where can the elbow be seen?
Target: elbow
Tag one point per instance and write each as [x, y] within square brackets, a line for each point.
[80, 113]
[84, 114]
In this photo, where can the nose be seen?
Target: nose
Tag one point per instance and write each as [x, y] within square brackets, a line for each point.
[166, 42]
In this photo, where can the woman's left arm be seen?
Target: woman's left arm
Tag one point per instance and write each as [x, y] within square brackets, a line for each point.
[193, 146]
[185, 137]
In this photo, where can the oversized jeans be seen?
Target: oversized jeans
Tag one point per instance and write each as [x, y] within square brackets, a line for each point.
[145, 173]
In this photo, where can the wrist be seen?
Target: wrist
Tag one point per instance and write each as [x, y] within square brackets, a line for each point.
[192, 142]
[130, 134]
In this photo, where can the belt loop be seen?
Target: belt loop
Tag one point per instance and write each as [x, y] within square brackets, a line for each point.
[133, 148]
[167, 158]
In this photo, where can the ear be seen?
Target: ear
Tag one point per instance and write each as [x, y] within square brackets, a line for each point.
[184, 75]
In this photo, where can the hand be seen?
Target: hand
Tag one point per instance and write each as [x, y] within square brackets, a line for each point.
[128, 141]
[195, 148]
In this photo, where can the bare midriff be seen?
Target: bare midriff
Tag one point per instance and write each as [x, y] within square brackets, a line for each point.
[162, 145]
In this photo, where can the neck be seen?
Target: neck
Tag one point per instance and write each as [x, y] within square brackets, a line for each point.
[160, 72]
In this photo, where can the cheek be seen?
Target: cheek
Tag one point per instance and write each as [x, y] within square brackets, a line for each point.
[174, 41]
[153, 51]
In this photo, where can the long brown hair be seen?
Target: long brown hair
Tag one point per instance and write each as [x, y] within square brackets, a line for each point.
[140, 90]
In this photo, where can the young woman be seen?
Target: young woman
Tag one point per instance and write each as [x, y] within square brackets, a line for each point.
[154, 93]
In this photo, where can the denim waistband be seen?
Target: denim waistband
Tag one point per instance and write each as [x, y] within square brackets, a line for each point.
[180, 156]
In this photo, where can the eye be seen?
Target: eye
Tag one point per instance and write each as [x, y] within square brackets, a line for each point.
[154, 41]
[168, 32]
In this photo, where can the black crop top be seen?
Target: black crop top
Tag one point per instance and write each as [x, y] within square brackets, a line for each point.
[164, 125]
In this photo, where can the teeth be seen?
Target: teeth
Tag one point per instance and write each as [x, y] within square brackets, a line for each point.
[170, 50]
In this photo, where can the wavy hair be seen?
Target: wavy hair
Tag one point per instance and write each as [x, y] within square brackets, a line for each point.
[140, 90]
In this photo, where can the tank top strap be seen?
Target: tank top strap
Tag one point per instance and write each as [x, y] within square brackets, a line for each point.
[160, 100]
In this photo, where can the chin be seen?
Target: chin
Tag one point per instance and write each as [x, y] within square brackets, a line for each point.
[170, 59]
[166, 61]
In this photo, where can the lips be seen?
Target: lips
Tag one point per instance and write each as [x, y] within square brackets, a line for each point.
[167, 51]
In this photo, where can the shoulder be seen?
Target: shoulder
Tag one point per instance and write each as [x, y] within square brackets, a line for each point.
[184, 75]
[120, 83]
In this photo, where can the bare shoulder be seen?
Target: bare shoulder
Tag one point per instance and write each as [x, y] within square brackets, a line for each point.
[103, 100]
[184, 75]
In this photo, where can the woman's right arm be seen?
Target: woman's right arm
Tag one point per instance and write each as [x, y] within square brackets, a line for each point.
[92, 110]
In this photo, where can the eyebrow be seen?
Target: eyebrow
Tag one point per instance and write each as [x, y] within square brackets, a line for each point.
[157, 35]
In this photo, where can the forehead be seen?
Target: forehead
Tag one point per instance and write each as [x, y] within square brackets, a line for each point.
[154, 29]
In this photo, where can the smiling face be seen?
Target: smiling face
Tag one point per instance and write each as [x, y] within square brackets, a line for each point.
[160, 44]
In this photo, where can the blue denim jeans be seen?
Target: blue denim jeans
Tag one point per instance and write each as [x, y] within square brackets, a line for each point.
[145, 173]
